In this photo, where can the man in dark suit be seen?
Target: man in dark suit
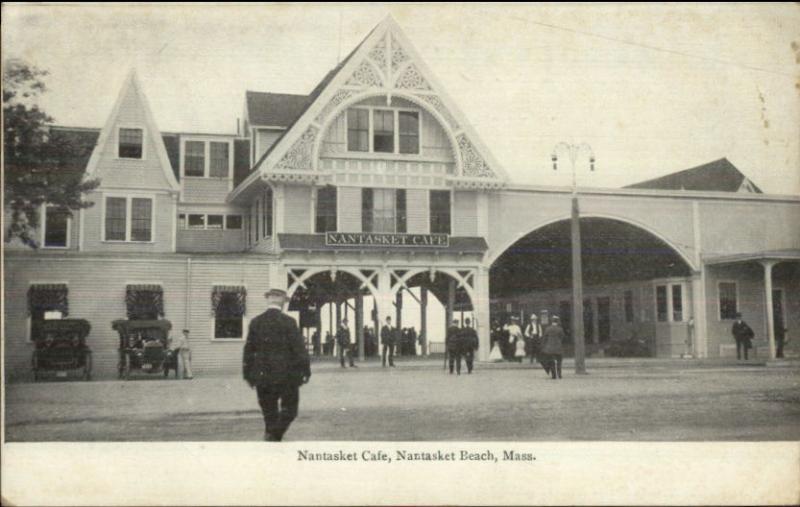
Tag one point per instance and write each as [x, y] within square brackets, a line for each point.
[276, 364]
[743, 336]
[343, 339]
[453, 346]
[469, 344]
[388, 339]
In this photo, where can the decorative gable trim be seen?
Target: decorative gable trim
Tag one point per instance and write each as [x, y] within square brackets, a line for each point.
[385, 63]
[150, 129]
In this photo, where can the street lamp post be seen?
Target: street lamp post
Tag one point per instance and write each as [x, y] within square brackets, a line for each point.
[573, 151]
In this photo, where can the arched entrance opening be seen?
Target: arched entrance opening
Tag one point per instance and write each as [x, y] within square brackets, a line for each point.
[452, 300]
[322, 299]
[637, 288]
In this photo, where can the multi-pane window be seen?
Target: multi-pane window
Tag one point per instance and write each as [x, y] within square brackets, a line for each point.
[219, 160]
[130, 143]
[229, 304]
[56, 227]
[409, 132]
[325, 219]
[628, 306]
[358, 130]
[202, 221]
[194, 158]
[215, 222]
[258, 216]
[116, 221]
[661, 303]
[728, 304]
[392, 131]
[677, 303]
[440, 211]
[383, 210]
[197, 221]
[267, 213]
[383, 131]
[141, 219]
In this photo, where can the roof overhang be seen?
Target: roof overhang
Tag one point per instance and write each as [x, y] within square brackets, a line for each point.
[767, 255]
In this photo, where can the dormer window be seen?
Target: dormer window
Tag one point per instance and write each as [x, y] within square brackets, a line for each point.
[381, 130]
[207, 159]
[130, 143]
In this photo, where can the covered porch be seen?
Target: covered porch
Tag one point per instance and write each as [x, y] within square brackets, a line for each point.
[765, 288]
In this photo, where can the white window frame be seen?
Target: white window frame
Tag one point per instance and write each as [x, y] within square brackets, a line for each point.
[245, 318]
[129, 218]
[205, 221]
[43, 228]
[29, 319]
[396, 122]
[719, 306]
[668, 283]
[206, 157]
[144, 141]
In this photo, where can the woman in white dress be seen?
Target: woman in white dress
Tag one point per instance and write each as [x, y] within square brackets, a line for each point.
[495, 355]
[514, 339]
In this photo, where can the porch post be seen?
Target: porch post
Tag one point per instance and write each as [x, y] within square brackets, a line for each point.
[698, 348]
[480, 312]
[451, 299]
[423, 318]
[360, 324]
[384, 299]
[770, 316]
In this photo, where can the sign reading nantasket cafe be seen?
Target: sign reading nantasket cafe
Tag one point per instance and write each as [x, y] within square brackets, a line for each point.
[376, 239]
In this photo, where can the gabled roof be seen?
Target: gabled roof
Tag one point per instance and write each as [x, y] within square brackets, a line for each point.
[719, 175]
[274, 109]
[132, 82]
[356, 76]
[83, 140]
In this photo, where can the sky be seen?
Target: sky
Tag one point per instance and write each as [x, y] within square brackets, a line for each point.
[652, 88]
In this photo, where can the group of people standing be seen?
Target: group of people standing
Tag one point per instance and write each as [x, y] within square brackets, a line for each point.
[404, 342]
[538, 342]
[461, 342]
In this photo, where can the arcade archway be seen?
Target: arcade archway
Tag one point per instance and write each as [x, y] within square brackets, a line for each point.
[637, 287]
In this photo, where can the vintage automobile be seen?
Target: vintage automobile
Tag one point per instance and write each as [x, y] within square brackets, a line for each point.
[61, 348]
[144, 347]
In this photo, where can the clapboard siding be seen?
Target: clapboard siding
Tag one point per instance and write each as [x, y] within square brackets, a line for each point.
[165, 213]
[465, 214]
[210, 241]
[297, 209]
[205, 190]
[349, 209]
[264, 141]
[119, 172]
[97, 293]
[417, 211]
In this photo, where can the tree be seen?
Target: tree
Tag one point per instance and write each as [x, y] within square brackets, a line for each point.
[39, 167]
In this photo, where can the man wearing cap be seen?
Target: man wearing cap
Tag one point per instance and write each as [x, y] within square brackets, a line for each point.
[469, 344]
[743, 335]
[388, 340]
[276, 364]
[345, 345]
